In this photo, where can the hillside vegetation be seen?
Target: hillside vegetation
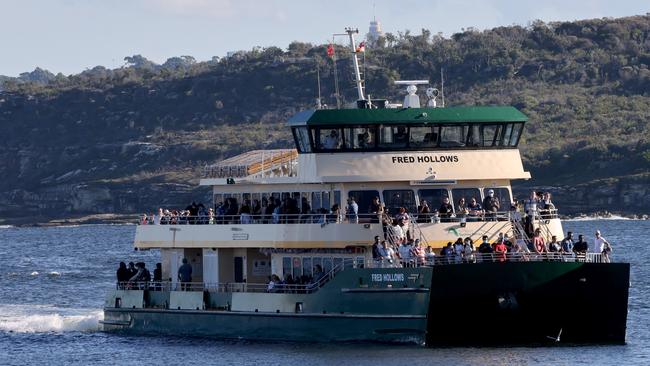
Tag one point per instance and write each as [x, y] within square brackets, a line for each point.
[120, 140]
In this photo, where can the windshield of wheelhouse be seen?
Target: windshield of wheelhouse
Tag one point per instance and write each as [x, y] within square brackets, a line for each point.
[405, 137]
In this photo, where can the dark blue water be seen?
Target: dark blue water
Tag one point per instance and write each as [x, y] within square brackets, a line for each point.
[53, 282]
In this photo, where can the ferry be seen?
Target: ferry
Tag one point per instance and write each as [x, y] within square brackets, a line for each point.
[287, 250]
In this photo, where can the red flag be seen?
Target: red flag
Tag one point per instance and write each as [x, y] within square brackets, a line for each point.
[330, 50]
[361, 47]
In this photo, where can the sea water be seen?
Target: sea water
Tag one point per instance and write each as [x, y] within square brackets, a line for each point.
[53, 282]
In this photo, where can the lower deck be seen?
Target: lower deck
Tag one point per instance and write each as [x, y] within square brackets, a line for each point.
[469, 303]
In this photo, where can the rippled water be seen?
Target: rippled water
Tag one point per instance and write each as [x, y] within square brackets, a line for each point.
[53, 282]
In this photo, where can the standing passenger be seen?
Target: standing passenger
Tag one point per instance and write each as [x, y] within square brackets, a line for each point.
[185, 275]
[122, 275]
[352, 211]
[157, 277]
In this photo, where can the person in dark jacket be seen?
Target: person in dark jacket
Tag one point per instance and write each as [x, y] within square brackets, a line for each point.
[132, 270]
[157, 277]
[185, 275]
[123, 275]
[446, 210]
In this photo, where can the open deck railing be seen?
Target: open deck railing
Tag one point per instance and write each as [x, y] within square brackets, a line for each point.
[354, 263]
[327, 218]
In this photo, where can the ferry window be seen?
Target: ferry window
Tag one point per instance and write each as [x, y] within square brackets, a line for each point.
[306, 266]
[316, 202]
[424, 136]
[327, 202]
[327, 264]
[363, 199]
[467, 194]
[317, 261]
[286, 266]
[297, 267]
[433, 197]
[506, 132]
[489, 133]
[516, 132]
[302, 139]
[305, 206]
[360, 138]
[503, 195]
[265, 203]
[218, 199]
[295, 200]
[337, 198]
[394, 199]
[275, 196]
[474, 136]
[452, 136]
[393, 136]
[235, 198]
[330, 138]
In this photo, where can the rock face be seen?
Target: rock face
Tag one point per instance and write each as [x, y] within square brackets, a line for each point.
[71, 200]
[629, 195]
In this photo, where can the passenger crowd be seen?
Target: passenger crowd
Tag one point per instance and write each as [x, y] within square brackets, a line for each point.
[137, 276]
[302, 283]
[407, 252]
[297, 209]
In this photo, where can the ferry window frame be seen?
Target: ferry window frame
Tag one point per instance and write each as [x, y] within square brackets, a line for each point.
[519, 127]
[423, 196]
[434, 130]
[504, 203]
[454, 199]
[318, 145]
[299, 135]
[506, 136]
[388, 204]
[360, 196]
[349, 141]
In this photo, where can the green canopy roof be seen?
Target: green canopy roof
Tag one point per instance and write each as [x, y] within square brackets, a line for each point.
[329, 117]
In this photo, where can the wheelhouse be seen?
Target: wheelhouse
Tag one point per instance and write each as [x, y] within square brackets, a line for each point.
[407, 129]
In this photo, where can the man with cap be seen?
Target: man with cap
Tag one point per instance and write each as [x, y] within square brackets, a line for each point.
[491, 205]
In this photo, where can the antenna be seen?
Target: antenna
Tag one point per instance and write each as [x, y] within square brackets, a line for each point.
[336, 79]
[442, 86]
[355, 62]
[318, 101]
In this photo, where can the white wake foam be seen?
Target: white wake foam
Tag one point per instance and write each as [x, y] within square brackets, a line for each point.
[6, 226]
[600, 218]
[46, 319]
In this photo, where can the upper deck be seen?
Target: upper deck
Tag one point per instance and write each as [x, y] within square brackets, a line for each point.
[389, 144]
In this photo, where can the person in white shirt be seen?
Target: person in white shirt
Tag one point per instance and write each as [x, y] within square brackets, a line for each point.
[390, 253]
[395, 233]
[404, 251]
[331, 141]
[459, 247]
[602, 246]
[599, 243]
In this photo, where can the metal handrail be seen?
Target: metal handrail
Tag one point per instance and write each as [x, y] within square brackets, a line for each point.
[322, 218]
[241, 287]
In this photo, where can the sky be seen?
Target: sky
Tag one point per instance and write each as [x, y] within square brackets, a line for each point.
[70, 36]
